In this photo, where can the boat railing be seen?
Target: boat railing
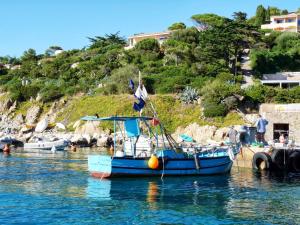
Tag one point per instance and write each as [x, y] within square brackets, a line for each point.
[212, 151]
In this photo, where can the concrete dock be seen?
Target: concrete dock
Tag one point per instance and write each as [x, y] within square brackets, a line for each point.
[244, 158]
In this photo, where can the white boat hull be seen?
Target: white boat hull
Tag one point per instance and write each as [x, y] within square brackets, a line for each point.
[59, 145]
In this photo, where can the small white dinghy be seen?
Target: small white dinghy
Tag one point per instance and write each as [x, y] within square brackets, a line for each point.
[41, 144]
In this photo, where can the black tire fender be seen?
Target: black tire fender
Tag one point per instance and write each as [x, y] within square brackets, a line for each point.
[280, 158]
[259, 158]
[294, 161]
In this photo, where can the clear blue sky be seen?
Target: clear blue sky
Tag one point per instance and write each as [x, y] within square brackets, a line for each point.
[39, 24]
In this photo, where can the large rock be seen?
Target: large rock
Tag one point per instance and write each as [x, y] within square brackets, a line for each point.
[32, 114]
[13, 107]
[90, 127]
[84, 140]
[51, 114]
[19, 119]
[220, 134]
[28, 136]
[5, 105]
[102, 141]
[26, 129]
[205, 134]
[199, 133]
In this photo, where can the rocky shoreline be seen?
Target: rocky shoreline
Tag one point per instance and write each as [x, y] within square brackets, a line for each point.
[20, 126]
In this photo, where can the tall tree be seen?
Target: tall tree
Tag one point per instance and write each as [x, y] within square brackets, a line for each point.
[189, 36]
[29, 55]
[108, 39]
[176, 51]
[239, 16]
[222, 45]
[284, 12]
[274, 11]
[207, 20]
[260, 16]
[177, 26]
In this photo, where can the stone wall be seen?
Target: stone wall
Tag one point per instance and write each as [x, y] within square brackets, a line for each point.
[282, 113]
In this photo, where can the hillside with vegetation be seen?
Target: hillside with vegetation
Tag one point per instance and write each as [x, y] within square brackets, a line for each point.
[206, 58]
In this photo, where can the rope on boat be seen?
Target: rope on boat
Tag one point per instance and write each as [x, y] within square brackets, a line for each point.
[163, 161]
[196, 161]
[173, 144]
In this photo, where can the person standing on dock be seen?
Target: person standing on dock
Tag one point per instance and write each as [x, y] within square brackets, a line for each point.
[261, 125]
[233, 135]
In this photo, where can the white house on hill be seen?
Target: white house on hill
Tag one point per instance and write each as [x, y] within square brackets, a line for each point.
[282, 79]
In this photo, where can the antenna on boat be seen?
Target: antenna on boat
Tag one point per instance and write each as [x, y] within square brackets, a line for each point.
[173, 144]
[142, 95]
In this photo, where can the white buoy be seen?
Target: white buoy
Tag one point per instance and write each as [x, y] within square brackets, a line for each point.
[53, 149]
[120, 153]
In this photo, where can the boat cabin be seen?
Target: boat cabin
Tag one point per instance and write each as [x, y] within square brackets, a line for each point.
[136, 136]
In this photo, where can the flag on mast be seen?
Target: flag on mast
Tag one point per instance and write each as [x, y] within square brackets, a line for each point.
[131, 84]
[141, 94]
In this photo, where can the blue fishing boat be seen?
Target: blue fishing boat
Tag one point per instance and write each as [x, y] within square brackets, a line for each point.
[163, 158]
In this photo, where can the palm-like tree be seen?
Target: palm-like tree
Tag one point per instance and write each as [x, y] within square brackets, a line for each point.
[239, 16]
[108, 39]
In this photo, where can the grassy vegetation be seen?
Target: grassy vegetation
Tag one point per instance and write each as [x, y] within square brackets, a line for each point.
[23, 107]
[170, 110]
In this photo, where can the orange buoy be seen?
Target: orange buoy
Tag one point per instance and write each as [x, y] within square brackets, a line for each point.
[153, 162]
[6, 149]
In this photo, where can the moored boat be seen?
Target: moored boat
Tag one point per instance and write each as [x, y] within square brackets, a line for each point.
[51, 145]
[165, 160]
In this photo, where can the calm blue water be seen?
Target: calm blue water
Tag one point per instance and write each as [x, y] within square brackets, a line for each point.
[56, 189]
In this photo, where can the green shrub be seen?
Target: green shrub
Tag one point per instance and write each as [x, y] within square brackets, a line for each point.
[256, 93]
[110, 89]
[230, 102]
[51, 95]
[118, 82]
[173, 84]
[213, 109]
[199, 82]
[218, 90]
[30, 91]
[149, 83]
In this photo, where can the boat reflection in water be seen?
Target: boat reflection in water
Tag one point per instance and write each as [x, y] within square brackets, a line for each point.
[103, 190]
[155, 193]
[39, 153]
[152, 194]
[98, 189]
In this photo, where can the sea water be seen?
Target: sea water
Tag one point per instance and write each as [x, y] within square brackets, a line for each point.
[55, 188]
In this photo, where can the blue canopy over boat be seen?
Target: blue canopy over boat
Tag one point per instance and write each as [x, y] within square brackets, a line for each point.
[115, 118]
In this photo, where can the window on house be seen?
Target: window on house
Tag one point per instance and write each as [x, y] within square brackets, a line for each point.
[279, 129]
[291, 20]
